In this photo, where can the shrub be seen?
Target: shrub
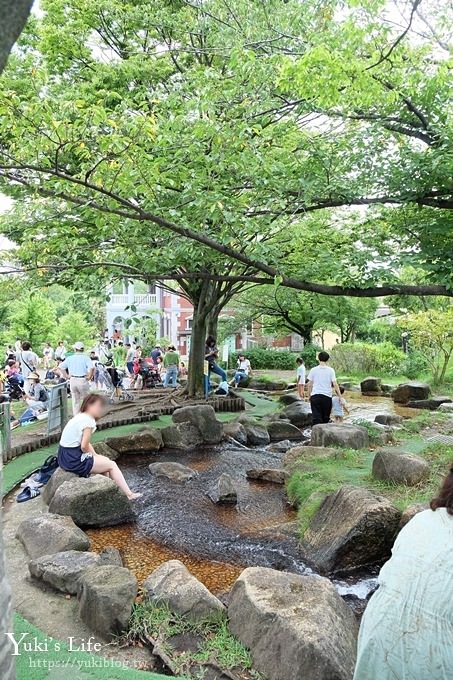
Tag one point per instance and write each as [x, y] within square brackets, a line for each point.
[414, 365]
[361, 357]
[262, 359]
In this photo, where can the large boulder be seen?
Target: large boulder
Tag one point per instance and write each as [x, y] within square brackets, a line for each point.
[58, 478]
[287, 399]
[280, 447]
[446, 407]
[203, 417]
[183, 436]
[388, 419]
[353, 528]
[173, 471]
[431, 404]
[172, 584]
[49, 534]
[343, 435]
[411, 390]
[223, 491]
[296, 627]
[257, 434]
[267, 385]
[371, 386]
[398, 467]
[92, 502]
[235, 430]
[299, 414]
[103, 449]
[275, 476]
[106, 596]
[63, 570]
[279, 429]
[146, 440]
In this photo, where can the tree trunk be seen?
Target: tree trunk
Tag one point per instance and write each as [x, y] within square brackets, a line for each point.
[212, 322]
[195, 383]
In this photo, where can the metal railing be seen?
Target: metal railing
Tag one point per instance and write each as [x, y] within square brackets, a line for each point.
[141, 300]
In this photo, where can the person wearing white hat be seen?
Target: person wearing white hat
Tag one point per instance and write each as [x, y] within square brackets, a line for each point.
[78, 368]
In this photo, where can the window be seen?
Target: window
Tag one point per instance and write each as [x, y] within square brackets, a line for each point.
[189, 323]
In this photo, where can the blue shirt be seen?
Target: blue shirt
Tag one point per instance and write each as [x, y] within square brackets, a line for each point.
[77, 365]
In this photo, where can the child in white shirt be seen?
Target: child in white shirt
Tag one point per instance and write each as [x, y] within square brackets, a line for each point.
[339, 407]
[300, 377]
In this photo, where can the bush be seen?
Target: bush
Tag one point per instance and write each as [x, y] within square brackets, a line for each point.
[263, 359]
[361, 357]
[414, 365]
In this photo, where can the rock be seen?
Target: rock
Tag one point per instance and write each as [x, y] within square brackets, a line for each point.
[446, 407]
[145, 440]
[299, 414]
[49, 534]
[296, 627]
[257, 435]
[173, 471]
[223, 491]
[410, 512]
[388, 419]
[280, 447]
[236, 431]
[410, 391]
[428, 404]
[386, 389]
[287, 399]
[204, 419]
[353, 528]
[371, 386]
[279, 429]
[383, 434]
[92, 502]
[106, 596]
[57, 479]
[298, 455]
[398, 467]
[64, 569]
[103, 449]
[111, 555]
[183, 436]
[334, 434]
[275, 476]
[267, 385]
[173, 584]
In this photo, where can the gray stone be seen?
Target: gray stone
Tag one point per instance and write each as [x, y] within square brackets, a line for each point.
[388, 419]
[446, 407]
[63, 570]
[57, 479]
[223, 491]
[343, 435]
[146, 440]
[299, 414]
[410, 391]
[49, 534]
[431, 404]
[273, 475]
[204, 419]
[173, 584]
[103, 449]
[280, 447]
[399, 467]
[410, 512]
[236, 431]
[297, 456]
[383, 434]
[257, 434]
[267, 385]
[106, 596]
[287, 399]
[353, 528]
[279, 429]
[173, 471]
[296, 627]
[371, 386]
[92, 502]
[111, 555]
[183, 436]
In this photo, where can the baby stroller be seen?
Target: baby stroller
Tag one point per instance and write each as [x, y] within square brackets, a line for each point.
[150, 375]
[116, 387]
[13, 389]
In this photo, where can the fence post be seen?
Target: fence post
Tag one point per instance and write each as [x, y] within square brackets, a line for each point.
[5, 432]
[63, 408]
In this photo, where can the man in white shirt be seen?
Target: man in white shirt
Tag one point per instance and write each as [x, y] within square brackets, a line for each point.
[79, 369]
[321, 381]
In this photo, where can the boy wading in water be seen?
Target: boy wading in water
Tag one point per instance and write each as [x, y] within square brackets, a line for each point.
[339, 407]
[321, 382]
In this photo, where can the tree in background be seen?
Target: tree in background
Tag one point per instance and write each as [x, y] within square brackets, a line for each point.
[33, 318]
[431, 332]
[74, 327]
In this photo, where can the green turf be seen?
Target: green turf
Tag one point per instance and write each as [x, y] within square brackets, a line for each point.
[60, 662]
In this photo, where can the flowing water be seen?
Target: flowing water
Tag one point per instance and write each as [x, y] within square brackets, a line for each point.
[179, 521]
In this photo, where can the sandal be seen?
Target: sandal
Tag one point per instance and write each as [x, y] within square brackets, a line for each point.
[27, 494]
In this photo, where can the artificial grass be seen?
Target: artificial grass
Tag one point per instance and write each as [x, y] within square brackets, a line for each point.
[60, 662]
